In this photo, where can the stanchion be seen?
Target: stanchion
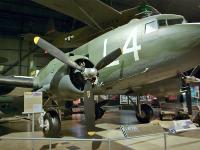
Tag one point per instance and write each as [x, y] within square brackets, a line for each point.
[33, 129]
[165, 141]
[32, 114]
[109, 146]
[50, 142]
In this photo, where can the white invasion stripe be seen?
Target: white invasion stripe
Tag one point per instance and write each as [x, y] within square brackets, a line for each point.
[191, 23]
[114, 63]
[24, 77]
[104, 47]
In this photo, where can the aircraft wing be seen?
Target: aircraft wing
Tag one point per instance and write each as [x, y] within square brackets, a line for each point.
[19, 81]
[72, 39]
[83, 10]
[8, 83]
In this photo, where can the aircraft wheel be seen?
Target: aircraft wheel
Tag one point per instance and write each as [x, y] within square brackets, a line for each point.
[52, 125]
[146, 114]
[99, 112]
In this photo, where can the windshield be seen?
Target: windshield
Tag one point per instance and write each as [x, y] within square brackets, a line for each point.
[151, 27]
[162, 22]
[165, 22]
[154, 25]
[174, 21]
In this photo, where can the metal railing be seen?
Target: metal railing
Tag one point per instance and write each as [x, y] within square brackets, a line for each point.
[108, 140]
[147, 138]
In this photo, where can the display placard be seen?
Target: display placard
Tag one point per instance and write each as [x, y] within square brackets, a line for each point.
[123, 99]
[33, 102]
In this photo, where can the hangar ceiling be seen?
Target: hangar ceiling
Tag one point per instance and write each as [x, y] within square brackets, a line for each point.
[23, 16]
[19, 17]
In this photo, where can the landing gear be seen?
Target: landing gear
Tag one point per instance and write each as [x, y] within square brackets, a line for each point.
[52, 124]
[51, 121]
[146, 114]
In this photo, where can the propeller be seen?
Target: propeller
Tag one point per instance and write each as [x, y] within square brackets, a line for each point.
[89, 108]
[60, 55]
[108, 59]
[195, 70]
[185, 81]
[88, 73]
[55, 52]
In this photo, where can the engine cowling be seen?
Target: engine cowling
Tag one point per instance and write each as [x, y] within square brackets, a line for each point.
[69, 82]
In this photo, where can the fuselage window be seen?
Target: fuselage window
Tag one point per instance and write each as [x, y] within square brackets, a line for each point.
[162, 23]
[174, 21]
[151, 27]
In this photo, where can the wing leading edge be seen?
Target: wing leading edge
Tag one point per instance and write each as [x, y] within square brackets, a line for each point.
[83, 10]
[17, 81]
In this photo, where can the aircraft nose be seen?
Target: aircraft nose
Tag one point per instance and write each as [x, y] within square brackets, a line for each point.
[187, 35]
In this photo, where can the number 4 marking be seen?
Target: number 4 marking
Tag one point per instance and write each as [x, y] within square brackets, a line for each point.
[135, 48]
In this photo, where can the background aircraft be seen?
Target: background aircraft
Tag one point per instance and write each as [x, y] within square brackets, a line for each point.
[83, 11]
[133, 58]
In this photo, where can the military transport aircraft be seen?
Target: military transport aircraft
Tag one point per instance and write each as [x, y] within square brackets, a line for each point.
[141, 56]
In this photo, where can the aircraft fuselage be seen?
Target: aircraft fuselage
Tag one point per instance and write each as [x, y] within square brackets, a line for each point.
[154, 48]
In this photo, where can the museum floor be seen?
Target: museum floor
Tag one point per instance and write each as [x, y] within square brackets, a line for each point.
[107, 127]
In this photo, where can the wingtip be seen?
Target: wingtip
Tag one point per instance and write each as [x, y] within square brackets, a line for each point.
[36, 39]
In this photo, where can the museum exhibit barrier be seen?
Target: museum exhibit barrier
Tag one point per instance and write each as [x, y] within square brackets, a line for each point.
[159, 141]
[109, 141]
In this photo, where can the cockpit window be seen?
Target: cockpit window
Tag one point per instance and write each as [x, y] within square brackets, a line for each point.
[174, 21]
[151, 27]
[162, 22]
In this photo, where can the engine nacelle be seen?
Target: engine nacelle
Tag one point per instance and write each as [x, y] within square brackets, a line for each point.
[69, 82]
[6, 89]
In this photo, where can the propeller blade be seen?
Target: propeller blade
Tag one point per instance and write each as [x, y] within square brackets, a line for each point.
[195, 70]
[55, 52]
[108, 58]
[189, 100]
[89, 108]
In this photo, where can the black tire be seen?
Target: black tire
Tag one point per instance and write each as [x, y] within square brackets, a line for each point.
[51, 119]
[147, 114]
[99, 112]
